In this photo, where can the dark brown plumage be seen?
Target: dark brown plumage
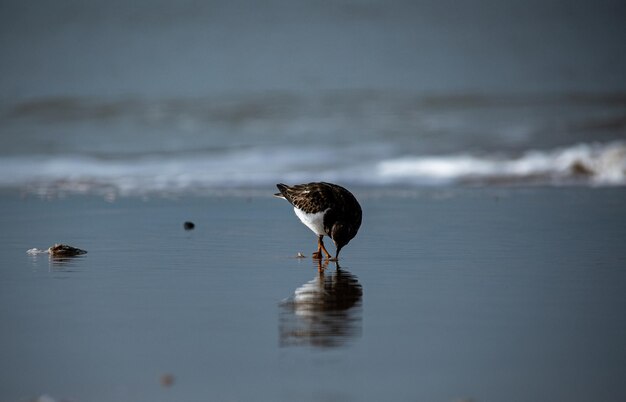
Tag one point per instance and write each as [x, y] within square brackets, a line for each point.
[327, 209]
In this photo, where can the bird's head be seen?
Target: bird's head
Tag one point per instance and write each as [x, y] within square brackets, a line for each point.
[341, 233]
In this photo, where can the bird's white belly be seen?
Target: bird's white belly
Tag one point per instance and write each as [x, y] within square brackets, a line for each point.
[315, 222]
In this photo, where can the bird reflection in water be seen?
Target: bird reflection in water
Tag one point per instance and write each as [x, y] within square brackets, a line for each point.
[324, 312]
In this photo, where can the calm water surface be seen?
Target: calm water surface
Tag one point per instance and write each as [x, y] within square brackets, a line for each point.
[491, 295]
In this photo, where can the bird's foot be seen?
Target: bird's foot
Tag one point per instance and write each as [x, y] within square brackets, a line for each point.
[317, 255]
[333, 259]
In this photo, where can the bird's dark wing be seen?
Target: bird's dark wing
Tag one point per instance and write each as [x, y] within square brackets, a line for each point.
[310, 198]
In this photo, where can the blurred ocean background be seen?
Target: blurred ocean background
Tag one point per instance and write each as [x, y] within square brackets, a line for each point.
[123, 98]
[473, 277]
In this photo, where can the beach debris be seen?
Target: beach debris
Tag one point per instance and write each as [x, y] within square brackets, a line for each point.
[300, 255]
[167, 380]
[58, 250]
[63, 250]
[189, 225]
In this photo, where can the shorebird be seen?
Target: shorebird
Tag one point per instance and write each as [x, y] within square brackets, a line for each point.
[327, 209]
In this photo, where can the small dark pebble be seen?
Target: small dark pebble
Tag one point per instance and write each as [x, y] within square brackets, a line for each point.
[167, 380]
[189, 225]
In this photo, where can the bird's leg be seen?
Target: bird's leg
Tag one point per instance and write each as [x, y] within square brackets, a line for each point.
[318, 254]
[324, 248]
[320, 247]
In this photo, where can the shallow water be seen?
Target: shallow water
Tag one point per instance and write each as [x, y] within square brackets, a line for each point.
[509, 294]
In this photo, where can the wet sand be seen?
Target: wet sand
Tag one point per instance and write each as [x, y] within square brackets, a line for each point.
[489, 295]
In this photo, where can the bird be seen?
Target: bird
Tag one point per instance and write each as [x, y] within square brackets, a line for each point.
[328, 210]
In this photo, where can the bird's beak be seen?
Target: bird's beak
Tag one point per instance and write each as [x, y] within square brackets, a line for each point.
[337, 254]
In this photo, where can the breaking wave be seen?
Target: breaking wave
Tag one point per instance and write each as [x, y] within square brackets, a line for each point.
[585, 164]
[582, 164]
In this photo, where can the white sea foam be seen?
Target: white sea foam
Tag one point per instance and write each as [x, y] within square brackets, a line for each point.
[593, 164]
[582, 164]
